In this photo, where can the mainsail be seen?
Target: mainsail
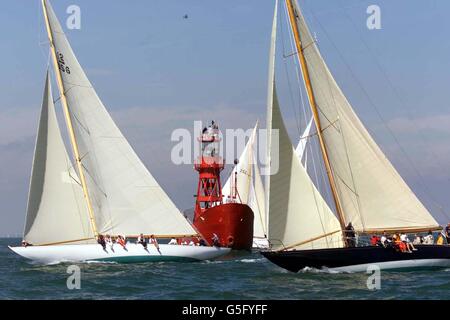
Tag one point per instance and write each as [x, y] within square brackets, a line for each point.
[298, 216]
[126, 199]
[372, 194]
[56, 209]
[249, 185]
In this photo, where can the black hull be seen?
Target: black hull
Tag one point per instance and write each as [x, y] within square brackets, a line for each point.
[357, 259]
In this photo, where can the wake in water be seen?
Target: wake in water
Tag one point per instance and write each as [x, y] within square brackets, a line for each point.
[324, 271]
[260, 260]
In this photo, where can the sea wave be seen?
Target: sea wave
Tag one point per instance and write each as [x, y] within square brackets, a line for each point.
[252, 260]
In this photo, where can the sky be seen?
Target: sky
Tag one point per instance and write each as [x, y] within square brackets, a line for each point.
[156, 71]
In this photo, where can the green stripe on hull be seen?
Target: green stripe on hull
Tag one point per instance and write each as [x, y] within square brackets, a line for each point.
[138, 259]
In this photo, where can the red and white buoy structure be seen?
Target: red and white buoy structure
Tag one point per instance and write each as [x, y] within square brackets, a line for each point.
[225, 224]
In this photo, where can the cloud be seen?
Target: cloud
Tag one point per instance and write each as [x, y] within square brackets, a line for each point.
[148, 130]
[426, 141]
[15, 168]
[17, 124]
[228, 117]
[436, 124]
[99, 72]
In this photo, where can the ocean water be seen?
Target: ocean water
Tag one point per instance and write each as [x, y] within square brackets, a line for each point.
[247, 276]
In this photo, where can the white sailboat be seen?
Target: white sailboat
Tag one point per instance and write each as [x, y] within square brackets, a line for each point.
[250, 187]
[245, 185]
[109, 192]
[366, 189]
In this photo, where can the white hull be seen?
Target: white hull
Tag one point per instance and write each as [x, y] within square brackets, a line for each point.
[134, 253]
[260, 243]
[396, 265]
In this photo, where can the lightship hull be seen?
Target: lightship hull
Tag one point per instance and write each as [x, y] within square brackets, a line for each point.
[360, 258]
[232, 222]
[135, 253]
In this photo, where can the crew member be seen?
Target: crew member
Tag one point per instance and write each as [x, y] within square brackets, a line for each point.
[142, 240]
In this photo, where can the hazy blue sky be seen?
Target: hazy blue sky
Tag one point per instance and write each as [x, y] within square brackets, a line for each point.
[156, 71]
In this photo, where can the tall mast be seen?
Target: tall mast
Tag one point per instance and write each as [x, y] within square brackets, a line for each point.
[69, 121]
[314, 108]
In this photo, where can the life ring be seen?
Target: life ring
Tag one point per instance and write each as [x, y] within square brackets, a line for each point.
[230, 240]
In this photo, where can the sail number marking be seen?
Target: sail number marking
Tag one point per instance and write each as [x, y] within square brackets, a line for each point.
[62, 64]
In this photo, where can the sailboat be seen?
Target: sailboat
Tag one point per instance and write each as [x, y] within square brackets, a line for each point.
[245, 185]
[246, 179]
[108, 191]
[366, 189]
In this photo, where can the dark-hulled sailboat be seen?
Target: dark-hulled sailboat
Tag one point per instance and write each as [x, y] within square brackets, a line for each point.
[367, 190]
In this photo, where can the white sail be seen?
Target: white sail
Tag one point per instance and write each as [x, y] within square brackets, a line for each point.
[126, 198]
[56, 209]
[249, 185]
[372, 193]
[298, 216]
[244, 171]
[301, 147]
[258, 204]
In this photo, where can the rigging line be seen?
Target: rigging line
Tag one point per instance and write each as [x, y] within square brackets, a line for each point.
[95, 176]
[341, 135]
[302, 98]
[80, 214]
[95, 182]
[341, 132]
[41, 43]
[56, 100]
[81, 124]
[320, 214]
[77, 85]
[301, 80]
[315, 133]
[403, 105]
[73, 178]
[297, 120]
[296, 68]
[309, 136]
[402, 150]
[363, 3]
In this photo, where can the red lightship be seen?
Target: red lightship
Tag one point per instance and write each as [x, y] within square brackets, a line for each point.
[224, 224]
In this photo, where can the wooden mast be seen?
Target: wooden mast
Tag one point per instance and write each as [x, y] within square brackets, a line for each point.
[73, 140]
[313, 104]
